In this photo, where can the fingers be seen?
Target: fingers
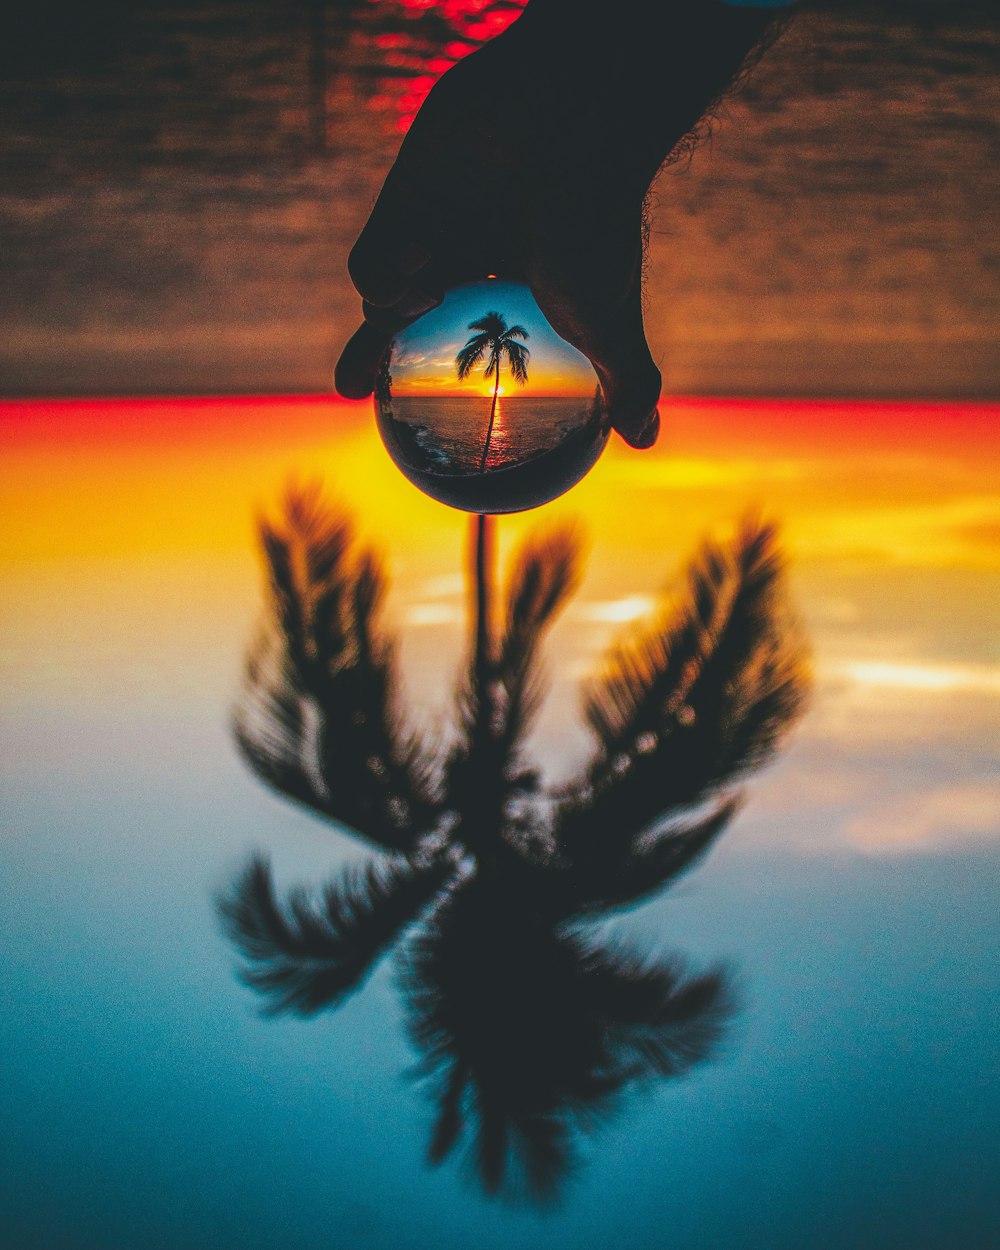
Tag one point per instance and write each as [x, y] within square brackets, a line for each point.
[630, 380]
[383, 266]
[393, 253]
[589, 285]
[415, 227]
[354, 376]
[398, 279]
[587, 280]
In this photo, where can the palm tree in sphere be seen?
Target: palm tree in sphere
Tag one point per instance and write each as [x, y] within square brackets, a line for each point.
[495, 340]
[531, 1023]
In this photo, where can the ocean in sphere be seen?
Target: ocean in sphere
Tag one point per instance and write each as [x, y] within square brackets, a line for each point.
[484, 407]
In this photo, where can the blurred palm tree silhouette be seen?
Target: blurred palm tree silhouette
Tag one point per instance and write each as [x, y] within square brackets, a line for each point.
[494, 340]
[529, 1027]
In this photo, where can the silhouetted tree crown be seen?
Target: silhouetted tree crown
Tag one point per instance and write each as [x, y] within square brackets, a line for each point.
[497, 341]
[529, 1027]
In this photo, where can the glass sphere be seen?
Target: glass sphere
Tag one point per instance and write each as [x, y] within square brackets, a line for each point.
[484, 407]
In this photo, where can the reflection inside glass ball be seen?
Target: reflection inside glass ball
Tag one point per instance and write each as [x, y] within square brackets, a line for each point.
[484, 407]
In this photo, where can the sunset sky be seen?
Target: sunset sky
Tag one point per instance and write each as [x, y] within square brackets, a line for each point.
[181, 185]
[121, 512]
[424, 356]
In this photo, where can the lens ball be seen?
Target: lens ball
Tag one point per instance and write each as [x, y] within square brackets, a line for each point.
[484, 407]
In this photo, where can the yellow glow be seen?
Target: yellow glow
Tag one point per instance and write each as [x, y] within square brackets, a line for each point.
[540, 383]
[940, 678]
[130, 529]
[620, 611]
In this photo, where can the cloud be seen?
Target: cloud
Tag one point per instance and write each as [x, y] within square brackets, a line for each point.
[835, 610]
[899, 703]
[931, 818]
[617, 611]
[439, 601]
[422, 614]
[929, 678]
[444, 586]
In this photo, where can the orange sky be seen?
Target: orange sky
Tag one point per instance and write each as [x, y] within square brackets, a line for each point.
[544, 383]
[129, 533]
[178, 481]
[93, 476]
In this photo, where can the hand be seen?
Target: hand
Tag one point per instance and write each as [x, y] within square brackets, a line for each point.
[495, 177]
[531, 159]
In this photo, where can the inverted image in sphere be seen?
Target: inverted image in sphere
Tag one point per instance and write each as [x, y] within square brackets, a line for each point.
[484, 407]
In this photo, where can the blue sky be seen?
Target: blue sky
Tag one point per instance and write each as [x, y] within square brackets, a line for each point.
[424, 358]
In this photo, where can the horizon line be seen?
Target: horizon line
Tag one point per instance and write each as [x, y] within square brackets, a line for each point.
[237, 398]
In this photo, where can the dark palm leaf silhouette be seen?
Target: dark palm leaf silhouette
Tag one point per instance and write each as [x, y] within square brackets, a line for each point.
[497, 341]
[530, 1029]
[531, 1032]
[307, 953]
[685, 708]
[318, 719]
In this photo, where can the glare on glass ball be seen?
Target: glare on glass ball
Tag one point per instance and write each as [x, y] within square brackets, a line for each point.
[484, 407]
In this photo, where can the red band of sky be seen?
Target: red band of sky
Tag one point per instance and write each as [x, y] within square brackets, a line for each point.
[730, 425]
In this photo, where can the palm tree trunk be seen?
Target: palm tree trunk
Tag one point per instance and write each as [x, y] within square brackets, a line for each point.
[482, 811]
[483, 565]
[489, 428]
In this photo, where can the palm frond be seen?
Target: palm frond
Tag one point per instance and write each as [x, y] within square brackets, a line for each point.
[523, 1158]
[649, 670]
[692, 703]
[471, 354]
[318, 716]
[545, 1158]
[517, 355]
[450, 1117]
[306, 954]
[529, 1032]
[269, 726]
[545, 571]
[660, 1021]
[492, 324]
[490, 1001]
[622, 871]
[494, 335]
